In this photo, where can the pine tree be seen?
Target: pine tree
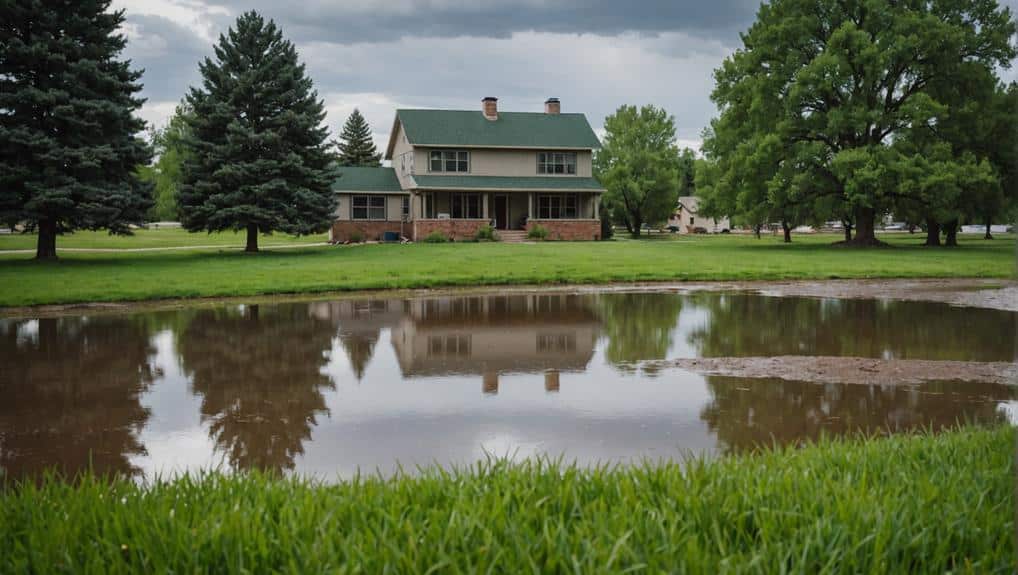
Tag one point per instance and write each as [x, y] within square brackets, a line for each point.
[257, 149]
[356, 148]
[70, 142]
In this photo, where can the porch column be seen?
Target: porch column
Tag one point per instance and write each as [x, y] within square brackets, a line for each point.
[597, 206]
[484, 206]
[530, 206]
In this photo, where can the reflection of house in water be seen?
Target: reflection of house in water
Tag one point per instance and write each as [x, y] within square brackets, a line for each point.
[484, 336]
[492, 335]
[360, 322]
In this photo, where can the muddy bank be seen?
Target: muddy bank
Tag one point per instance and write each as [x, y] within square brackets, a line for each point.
[999, 294]
[849, 370]
[992, 294]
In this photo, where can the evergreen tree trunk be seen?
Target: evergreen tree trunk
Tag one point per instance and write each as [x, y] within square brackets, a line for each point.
[865, 227]
[932, 233]
[788, 232]
[988, 235]
[252, 238]
[951, 231]
[46, 246]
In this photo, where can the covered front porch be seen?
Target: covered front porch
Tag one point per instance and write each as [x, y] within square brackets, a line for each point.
[459, 214]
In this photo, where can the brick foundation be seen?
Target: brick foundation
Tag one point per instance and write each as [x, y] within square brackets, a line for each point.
[368, 231]
[458, 230]
[571, 230]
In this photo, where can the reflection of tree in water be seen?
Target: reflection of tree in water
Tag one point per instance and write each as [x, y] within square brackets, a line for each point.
[70, 389]
[258, 374]
[747, 413]
[743, 325]
[638, 326]
[359, 348]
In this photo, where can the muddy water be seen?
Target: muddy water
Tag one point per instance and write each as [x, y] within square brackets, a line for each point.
[330, 388]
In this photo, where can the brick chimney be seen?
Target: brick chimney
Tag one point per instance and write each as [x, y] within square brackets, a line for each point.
[489, 106]
[552, 106]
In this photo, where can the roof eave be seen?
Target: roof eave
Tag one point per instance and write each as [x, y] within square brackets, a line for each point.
[392, 137]
[502, 189]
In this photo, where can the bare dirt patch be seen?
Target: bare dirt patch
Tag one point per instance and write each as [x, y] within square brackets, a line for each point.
[849, 370]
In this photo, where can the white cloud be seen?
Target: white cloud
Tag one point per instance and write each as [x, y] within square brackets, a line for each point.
[157, 114]
[195, 15]
[590, 74]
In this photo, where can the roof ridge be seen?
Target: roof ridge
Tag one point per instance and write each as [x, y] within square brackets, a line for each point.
[480, 112]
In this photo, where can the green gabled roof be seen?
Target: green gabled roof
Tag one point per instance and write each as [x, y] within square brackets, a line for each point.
[366, 180]
[469, 128]
[562, 183]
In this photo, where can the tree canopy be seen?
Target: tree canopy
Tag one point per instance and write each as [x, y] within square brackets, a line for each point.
[165, 173]
[818, 106]
[356, 147]
[70, 141]
[640, 166]
[257, 157]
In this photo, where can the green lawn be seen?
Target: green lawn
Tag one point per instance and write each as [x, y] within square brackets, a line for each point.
[95, 277]
[153, 238]
[904, 504]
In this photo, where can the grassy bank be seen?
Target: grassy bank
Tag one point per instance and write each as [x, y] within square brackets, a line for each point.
[100, 277]
[919, 504]
[154, 238]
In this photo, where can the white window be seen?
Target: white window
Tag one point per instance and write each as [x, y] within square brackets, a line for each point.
[406, 207]
[556, 163]
[367, 208]
[466, 206]
[406, 162]
[449, 161]
[556, 207]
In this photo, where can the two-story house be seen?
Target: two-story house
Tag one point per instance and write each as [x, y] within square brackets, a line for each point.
[454, 171]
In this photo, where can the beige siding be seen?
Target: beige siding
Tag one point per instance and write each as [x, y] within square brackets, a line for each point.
[393, 206]
[343, 209]
[495, 162]
[399, 148]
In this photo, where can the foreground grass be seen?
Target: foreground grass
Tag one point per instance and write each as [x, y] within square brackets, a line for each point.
[154, 238]
[103, 277]
[909, 503]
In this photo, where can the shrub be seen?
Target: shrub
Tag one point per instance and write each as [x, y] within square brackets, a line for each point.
[537, 233]
[436, 237]
[355, 237]
[486, 233]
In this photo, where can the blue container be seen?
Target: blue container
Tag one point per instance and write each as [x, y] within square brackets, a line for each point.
[390, 237]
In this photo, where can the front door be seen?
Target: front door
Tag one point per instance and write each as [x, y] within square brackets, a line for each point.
[501, 212]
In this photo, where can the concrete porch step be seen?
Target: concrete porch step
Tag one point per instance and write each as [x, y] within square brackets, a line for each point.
[512, 236]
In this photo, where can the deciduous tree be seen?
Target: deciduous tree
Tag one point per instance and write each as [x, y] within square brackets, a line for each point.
[166, 172]
[639, 165]
[837, 83]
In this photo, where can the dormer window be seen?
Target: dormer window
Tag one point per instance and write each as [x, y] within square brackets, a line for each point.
[449, 161]
[556, 163]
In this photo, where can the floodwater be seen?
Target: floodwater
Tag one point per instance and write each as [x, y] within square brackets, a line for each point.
[330, 388]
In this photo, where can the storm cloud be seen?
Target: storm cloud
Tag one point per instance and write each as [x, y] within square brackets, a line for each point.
[594, 55]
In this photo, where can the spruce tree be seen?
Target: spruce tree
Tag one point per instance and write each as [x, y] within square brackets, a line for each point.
[356, 148]
[257, 156]
[70, 142]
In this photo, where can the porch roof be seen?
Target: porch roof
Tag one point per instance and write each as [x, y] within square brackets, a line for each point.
[508, 183]
[364, 179]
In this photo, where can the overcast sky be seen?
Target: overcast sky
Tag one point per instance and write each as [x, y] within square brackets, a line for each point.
[594, 55]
